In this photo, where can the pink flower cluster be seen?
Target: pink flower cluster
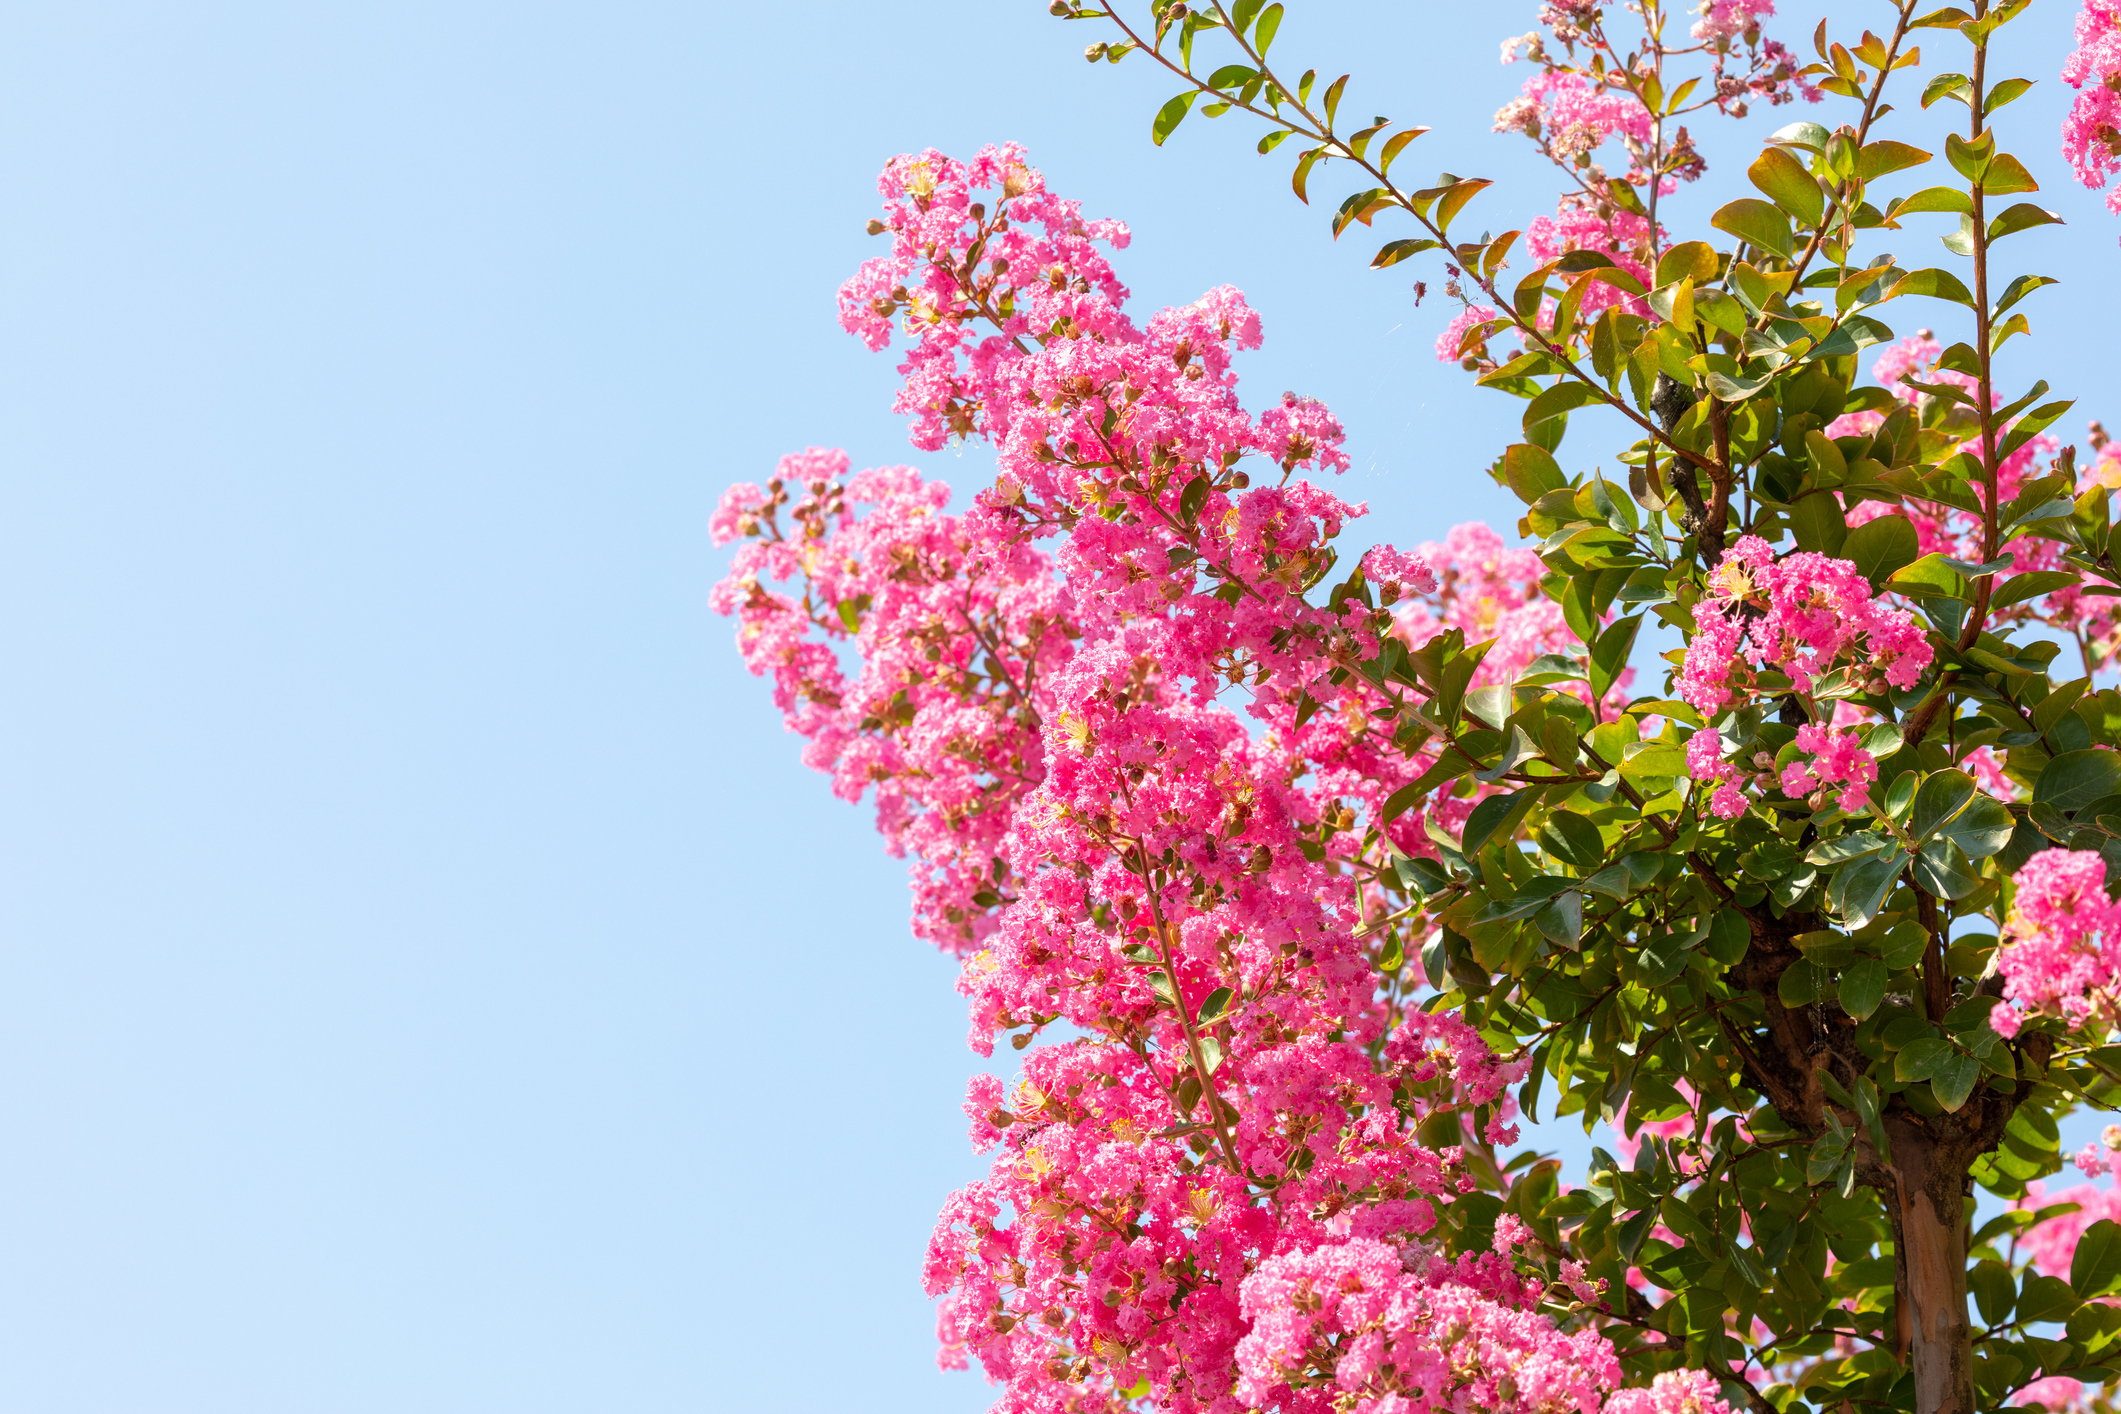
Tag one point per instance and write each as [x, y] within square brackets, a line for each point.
[941, 722]
[2051, 1244]
[2062, 943]
[2056, 1392]
[1454, 333]
[1805, 617]
[1572, 116]
[2091, 134]
[1490, 593]
[1945, 530]
[1579, 224]
[1728, 19]
[1061, 741]
[1371, 1328]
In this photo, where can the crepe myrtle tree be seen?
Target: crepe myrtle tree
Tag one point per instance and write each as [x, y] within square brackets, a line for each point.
[1297, 875]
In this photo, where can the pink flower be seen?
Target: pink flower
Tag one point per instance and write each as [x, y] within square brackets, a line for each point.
[1673, 1392]
[1726, 19]
[1401, 572]
[1829, 759]
[2091, 134]
[2054, 1392]
[2062, 943]
[2053, 1243]
[1809, 617]
[1454, 333]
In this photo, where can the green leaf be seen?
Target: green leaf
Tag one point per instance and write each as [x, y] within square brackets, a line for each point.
[2031, 425]
[1937, 284]
[1919, 1059]
[1994, 1290]
[1825, 1157]
[1572, 839]
[1193, 498]
[1863, 986]
[2096, 1264]
[1517, 750]
[2031, 585]
[1866, 887]
[1455, 198]
[1932, 199]
[1303, 173]
[1784, 179]
[1982, 829]
[1531, 471]
[1216, 1003]
[1610, 657]
[1801, 134]
[1846, 847]
[1882, 547]
[1399, 801]
[1880, 158]
[1798, 985]
[1957, 86]
[1333, 92]
[1392, 252]
[1645, 760]
[1930, 578]
[2044, 1298]
[1395, 144]
[1695, 260]
[1942, 796]
[2006, 176]
[1971, 159]
[1952, 1080]
[1263, 34]
[2077, 778]
[1818, 524]
[1759, 222]
[2021, 217]
[1961, 241]
[1736, 390]
[2004, 92]
[1486, 818]
[1561, 922]
[1557, 402]
[1942, 868]
[1171, 115]
[2019, 288]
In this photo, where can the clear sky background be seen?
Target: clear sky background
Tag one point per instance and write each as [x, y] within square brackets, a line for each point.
[428, 980]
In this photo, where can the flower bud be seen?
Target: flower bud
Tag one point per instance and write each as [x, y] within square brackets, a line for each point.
[1060, 9]
[1095, 52]
[876, 227]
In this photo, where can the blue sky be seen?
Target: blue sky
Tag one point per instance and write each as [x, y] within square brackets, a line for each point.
[430, 980]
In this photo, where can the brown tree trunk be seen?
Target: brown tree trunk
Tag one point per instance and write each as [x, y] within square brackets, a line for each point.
[1928, 1206]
